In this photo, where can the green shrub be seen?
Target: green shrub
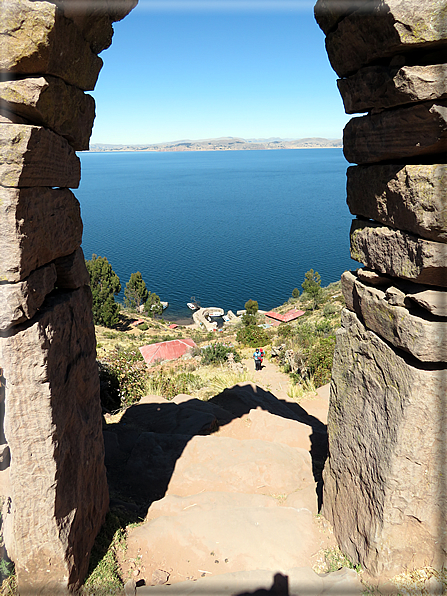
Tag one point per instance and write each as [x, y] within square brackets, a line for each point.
[127, 375]
[320, 360]
[329, 310]
[323, 327]
[285, 331]
[170, 385]
[218, 354]
[252, 336]
[143, 326]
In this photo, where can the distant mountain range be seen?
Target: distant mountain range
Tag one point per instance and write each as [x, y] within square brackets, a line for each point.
[224, 144]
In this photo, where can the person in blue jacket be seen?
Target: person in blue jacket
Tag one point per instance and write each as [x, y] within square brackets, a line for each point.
[258, 359]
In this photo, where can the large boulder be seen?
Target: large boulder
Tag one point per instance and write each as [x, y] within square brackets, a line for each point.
[37, 225]
[59, 494]
[384, 489]
[36, 156]
[383, 29]
[48, 101]
[415, 130]
[422, 336]
[406, 197]
[35, 38]
[380, 87]
[399, 254]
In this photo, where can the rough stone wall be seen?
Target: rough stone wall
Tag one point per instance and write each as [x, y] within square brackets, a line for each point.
[384, 481]
[52, 474]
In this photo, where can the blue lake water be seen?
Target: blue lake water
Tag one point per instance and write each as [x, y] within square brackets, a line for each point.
[221, 226]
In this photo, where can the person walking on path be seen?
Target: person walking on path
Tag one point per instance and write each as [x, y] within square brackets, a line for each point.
[258, 359]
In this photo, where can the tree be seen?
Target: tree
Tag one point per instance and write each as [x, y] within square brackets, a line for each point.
[251, 306]
[295, 293]
[135, 292]
[105, 284]
[153, 305]
[312, 287]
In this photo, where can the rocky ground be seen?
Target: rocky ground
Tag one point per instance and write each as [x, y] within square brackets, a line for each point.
[229, 492]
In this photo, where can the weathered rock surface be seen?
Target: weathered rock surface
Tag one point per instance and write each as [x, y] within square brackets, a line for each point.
[435, 301]
[329, 12]
[71, 271]
[95, 19]
[410, 131]
[35, 38]
[20, 301]
[423, 338]
[243, 467]
[372, 478]
[37, 225]
[407, 197]
[53, 428]
[267, 538]
[36, 156]
[48, 101]
[385, 29]
[260, 581]
[399, 254]
[380, 87]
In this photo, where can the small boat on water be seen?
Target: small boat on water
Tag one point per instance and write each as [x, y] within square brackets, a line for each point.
[214, 314]
[193, 305]
[164, 304]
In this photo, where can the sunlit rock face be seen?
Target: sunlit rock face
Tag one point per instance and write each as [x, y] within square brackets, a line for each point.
[53, 482]
[383, 482]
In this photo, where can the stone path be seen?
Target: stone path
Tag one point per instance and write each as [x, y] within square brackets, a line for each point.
[230, 509]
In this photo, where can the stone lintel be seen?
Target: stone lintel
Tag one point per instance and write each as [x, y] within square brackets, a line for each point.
[384, 491]
[380, 87]
[422, 336]
[399, 254]
[49, 102]
[407, 132]
[59, 494]
[407, 197]
[35, 38]
[37, 225]
[384, 30]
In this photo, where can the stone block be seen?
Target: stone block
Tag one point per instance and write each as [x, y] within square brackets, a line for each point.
[422, 336]
[407, 197]
[380, 87]
[435, 301]
[94, 19]
[20, 301]
[35, 38]
[71, 271]
[48, 101]
[385, 29]
[411, 131]
[59, 494]
[399, 254]
[329, 12]
[36, 156]
[384, 487]
[37, 225]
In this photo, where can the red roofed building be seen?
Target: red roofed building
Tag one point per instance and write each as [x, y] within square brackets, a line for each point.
[276, 319]
[166, 350]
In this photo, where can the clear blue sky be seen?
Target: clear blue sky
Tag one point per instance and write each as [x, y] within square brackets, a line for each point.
[188, 69]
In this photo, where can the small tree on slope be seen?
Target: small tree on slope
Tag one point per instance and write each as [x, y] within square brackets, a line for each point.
[105, 284]
[135, 292]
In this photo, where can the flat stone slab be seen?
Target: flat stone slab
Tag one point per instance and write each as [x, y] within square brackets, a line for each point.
[37, 225]
[412, 131]
[48, 101]
[399, 254]
[36, 156]
[33, 36]
[20, 301]
[381, 87]
[384, 475]
[253, 466]
[435, 301]
[424, 339]
[302, 580]
[198, 542]
[407, 197]
[382, 30]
